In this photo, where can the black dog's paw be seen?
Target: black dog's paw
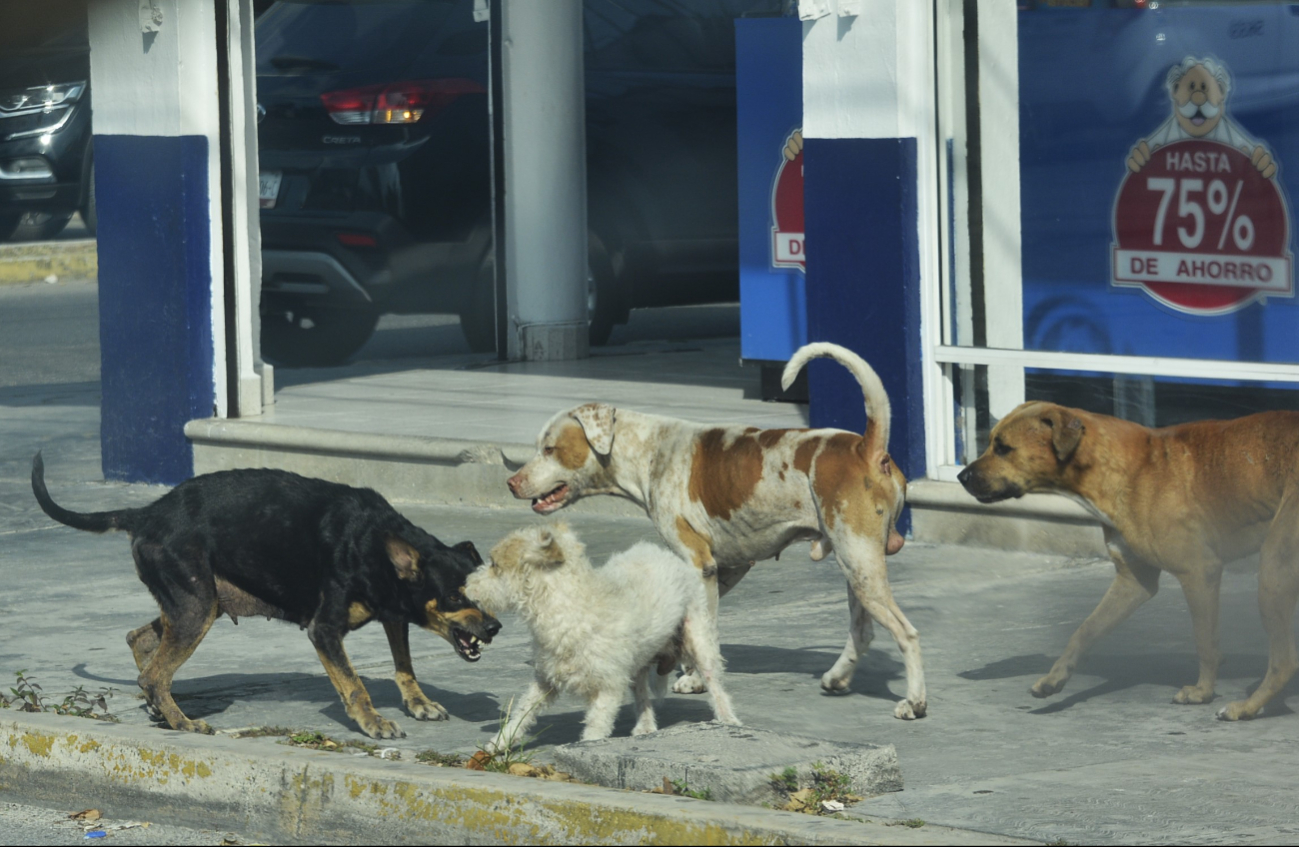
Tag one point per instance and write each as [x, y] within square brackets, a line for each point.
[380, 727]
[427, 710]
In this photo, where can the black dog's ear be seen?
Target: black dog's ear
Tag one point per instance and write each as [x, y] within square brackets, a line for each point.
[404, 557]
[468, 547]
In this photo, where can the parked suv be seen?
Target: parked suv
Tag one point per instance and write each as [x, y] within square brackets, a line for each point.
[375, 171]
[46, 158]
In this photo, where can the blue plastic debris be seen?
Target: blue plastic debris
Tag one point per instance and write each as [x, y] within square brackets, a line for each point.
[98, 833]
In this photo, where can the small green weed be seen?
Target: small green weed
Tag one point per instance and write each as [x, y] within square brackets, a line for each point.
[441, 760]
[26, 695]
[786, 780]
[913, 823]
[682, 787]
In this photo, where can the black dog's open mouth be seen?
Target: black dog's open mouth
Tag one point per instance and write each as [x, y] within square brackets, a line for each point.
[469, 646]
[552, 501]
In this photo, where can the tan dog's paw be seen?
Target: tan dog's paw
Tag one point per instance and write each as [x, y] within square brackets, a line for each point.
[908, 711]
[377, 726]
[1193, 695]
[427, 710]
[1046, 686]
[200, 727]
[1237, 711]
[689, 683]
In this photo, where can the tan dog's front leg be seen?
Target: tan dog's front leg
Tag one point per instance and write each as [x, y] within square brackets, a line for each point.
[1201, 589]
[1134, 583]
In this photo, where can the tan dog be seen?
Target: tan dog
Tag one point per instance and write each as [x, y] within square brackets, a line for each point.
[724, 497]
[1184, 499]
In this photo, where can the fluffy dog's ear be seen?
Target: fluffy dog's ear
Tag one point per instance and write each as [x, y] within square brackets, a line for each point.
[1066, 431]
[404, 557]
[548, 550]
[597, 422]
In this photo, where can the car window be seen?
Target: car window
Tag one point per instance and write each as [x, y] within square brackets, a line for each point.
[666, 35]
[301, 36]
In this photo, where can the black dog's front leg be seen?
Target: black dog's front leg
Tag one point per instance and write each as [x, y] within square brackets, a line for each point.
[420, 706]
[328, 641]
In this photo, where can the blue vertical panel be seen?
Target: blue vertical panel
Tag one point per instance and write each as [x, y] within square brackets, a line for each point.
[769, 106]
[863, 283]
[155, 302]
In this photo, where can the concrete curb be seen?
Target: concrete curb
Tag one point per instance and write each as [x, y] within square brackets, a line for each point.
[37, 262]
[305, 796]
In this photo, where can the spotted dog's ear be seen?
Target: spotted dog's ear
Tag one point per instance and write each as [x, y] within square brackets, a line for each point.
[597, 422]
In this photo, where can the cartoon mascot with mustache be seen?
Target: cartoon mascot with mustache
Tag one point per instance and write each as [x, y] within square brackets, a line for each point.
[1199, 89]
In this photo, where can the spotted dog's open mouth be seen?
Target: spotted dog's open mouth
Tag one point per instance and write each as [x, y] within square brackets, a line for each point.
[552, 501]
[469, 646]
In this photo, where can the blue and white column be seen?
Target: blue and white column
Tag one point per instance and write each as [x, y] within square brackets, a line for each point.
[868, 197]
[162, 268]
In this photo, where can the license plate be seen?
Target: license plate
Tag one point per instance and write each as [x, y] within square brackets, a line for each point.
[268, 187]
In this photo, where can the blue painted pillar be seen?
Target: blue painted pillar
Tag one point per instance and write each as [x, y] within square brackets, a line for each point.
[156, 171]
[863, 283]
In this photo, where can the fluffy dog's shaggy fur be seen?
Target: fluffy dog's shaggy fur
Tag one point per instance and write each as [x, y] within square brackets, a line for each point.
[597, 630]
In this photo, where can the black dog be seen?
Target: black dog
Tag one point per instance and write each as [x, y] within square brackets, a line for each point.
[325, 556]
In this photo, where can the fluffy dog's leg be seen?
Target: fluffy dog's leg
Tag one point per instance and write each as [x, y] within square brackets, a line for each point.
[523, 713]
[1134, 583]
[701, 644]
[861, 558]
[641, 692]
[860, 634]
[600, 714]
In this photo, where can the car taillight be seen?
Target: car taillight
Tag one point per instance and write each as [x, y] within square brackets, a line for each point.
[356, 239]
[395, 103]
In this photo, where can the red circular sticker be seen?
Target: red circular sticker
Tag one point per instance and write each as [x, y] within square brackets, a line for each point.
[787, 214]
[1201, 230]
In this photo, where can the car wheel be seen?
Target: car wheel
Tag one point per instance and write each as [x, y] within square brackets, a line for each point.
[41, 226]
[603, 305]
[9, 224]
[88, 215]
[478, 316]
[301, 336]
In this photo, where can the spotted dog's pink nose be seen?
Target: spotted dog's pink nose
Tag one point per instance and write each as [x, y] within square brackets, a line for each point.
[513, 483]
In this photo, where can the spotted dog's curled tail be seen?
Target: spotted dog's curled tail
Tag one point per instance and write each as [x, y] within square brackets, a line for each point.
[89, 521]
[878, 410]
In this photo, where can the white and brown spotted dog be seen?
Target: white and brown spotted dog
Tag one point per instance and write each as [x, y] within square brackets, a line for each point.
[725, 497]
[1183, 499]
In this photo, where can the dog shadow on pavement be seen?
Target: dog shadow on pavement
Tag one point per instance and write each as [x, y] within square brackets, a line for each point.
[206, 696]
[1121, 672]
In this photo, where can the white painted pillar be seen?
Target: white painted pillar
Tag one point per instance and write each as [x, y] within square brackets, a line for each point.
[545, 179]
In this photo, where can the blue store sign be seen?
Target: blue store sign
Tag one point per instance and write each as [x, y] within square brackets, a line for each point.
[1154, 192]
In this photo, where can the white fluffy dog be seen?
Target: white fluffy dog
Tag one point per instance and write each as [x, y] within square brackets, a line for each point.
[598, 630]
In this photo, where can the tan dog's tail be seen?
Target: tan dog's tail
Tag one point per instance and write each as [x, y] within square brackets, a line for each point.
[878, 410]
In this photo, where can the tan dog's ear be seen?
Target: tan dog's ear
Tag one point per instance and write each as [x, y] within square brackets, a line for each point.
[597, 422]
[404, 557]
[1066, 431]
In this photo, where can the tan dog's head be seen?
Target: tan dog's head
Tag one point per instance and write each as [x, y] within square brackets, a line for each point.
[572, 459]
[1031, 449]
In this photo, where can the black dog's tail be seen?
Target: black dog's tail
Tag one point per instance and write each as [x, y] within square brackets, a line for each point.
[90, 521]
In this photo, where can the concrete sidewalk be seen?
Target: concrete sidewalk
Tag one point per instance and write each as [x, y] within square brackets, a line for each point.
[1110, 760]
